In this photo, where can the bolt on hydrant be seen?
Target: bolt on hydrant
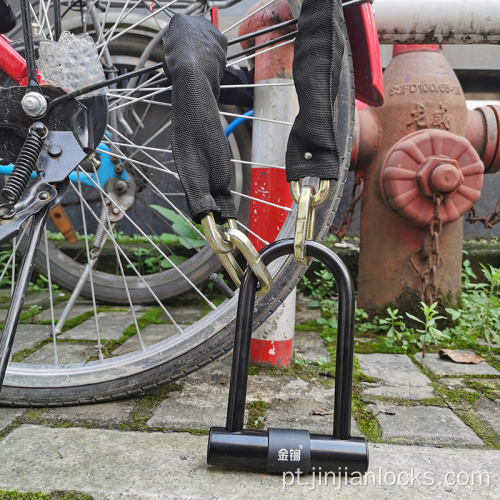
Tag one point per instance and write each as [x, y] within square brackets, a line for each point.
[422, 157]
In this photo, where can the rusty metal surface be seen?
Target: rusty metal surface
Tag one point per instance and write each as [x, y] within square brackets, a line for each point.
[437, 21]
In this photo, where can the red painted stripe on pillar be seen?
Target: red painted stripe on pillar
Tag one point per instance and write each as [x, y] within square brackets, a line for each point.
[265, 220]
[271, 352]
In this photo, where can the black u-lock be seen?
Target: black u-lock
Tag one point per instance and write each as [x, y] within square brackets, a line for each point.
[289, 450]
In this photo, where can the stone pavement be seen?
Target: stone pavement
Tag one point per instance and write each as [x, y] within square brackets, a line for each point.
[433, 428]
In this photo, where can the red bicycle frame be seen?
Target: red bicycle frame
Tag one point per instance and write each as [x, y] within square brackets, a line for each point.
[13, 63]
[365, 49]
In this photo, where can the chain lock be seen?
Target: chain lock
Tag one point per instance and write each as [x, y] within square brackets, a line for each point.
[224, 241]
[308, 200]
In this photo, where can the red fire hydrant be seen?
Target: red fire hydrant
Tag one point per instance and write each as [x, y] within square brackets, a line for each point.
[422, 156]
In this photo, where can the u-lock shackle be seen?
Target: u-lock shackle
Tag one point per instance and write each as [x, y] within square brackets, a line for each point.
[287, 450]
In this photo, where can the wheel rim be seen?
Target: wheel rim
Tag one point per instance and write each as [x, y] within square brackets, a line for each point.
[217, 322]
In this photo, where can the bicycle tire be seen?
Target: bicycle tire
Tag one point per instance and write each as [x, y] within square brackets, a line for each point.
[202, 342]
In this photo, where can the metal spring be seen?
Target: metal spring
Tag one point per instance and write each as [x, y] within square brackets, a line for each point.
[103, 223]
[25, 163]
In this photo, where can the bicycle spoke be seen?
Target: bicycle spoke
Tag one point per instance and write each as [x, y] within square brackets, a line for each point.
[52, 316]
[241, 21]
[253, 56]
[94, 306]
[151, 242]
[155, 188]
[114, 27]
[122, 273]
[111, 38]
[133, 267]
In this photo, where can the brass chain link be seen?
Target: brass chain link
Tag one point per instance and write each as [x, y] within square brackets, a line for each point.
[341, 230]
[489, 221]
[429, 287]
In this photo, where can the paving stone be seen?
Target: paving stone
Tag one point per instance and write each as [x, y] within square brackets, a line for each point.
[203, 403]
[442, 367]
[28, 336]
[5, 294]
[423, 425]
[266, 388]
[67, 352]
[310, 346]
[452, 383]
[197, 406]
[484, 343]
[103, 413]
[8, 415]
[490, 385]
[41, 299]
[150, 335]
[79, 308]
[398, 376]
[490, 413]
[304, 313]
[362, 340]
[111, 326]
[3, 315]
[183, 314]
[112, 465]
[216, 372]
[296, 414]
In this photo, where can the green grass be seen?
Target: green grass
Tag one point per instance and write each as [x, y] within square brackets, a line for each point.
[256, 412]
[55, 495]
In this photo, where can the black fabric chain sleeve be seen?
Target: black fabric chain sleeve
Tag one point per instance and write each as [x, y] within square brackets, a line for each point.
[195, 61]
[319, 47]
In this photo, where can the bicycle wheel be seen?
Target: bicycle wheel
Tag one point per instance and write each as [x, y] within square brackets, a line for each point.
[196, 341]
[157, 216]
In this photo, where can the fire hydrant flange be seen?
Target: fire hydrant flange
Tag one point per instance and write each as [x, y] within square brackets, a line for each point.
[431, 162]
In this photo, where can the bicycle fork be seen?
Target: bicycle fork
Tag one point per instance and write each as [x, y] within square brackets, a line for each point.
[20, 289]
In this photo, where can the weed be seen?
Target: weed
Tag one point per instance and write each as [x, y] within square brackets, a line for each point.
[397, 331]
[430, 333]
[480, 311]
[189, 234]
[34, 311]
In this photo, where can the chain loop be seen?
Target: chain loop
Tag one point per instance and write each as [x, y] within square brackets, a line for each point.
[489, 221]
[341, 230]
[224, 241]
[429, 286]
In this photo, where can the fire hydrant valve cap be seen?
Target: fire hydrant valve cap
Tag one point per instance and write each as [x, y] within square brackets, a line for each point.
[445, 178]
[431, 162]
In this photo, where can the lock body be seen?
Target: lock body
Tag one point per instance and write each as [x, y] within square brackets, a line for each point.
[289, 450]
[277, 450]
